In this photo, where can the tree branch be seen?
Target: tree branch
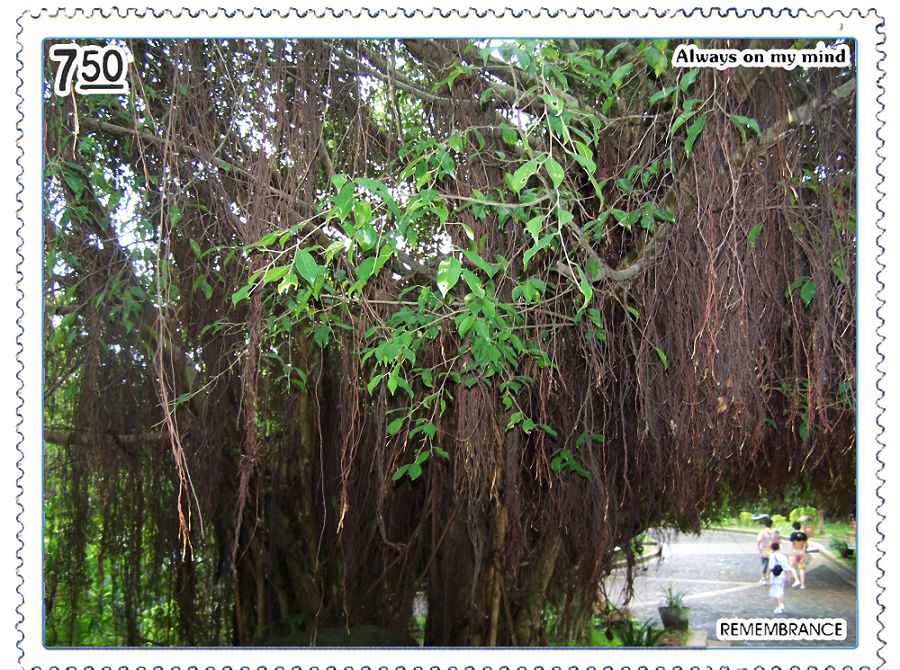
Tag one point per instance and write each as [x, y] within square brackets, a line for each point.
[799, 116]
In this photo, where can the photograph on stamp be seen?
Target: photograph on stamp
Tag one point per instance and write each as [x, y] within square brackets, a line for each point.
[461, 342]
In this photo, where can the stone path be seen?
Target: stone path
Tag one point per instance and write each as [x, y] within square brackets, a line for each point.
[719, 571]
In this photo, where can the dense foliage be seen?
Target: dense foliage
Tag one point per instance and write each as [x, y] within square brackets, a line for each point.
[330, 324]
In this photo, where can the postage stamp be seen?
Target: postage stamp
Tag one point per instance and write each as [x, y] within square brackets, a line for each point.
[449, 337]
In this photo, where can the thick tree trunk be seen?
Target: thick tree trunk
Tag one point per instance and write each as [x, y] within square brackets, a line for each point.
[528, 618]
[453, 586]
[496, 574]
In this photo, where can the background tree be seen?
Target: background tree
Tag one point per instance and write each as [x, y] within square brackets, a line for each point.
[331, 323]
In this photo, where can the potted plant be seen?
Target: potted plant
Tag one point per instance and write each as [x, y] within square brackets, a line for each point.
[674, 615]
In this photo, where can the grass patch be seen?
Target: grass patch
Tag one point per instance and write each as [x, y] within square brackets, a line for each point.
[605, 637]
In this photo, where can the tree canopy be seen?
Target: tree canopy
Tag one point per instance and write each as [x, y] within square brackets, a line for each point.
[333, 323]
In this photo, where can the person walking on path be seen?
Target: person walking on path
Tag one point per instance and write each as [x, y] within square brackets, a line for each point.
[764, 541]
[799, 545]
[778, 567]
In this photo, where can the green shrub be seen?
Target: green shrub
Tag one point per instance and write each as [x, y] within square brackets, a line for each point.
[841, 548]
[637, 634]
[605, 637]
[745, 519]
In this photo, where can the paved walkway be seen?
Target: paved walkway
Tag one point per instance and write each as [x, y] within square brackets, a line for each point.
[719, 571]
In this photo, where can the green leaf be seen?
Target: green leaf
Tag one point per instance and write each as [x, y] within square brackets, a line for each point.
[366, 236]
[174, 214]
[838, 271]
[343, 201]
[753, 234]
[585, 287]
[550, 430]
[465, 324]
[683, 118]
[554, 171]
[807, 291]
[663, 214]
[306, 266]
[362, 212]
[456, 142]
[535, 248]
[376, 187]
[322, 334]
[797, 283]
[661, 94]
[399, 473]
[620, 73]
[448, 274]
[622, 218]
[266, 239]
[509, 135]
[240, 294]
[693, 132]
[585, 157]
[394, 426]
[520, 176]
[428, 378]
[373, 383]
[687, 79]
[655, 60]
[195, 248]
[662, 357]
[553, 102]
[489, 269]
[474, 282]
[75, 183]
[630, 219]
[534, 226]
[633, 311]
[745, 121]
[559, 462]
[365, 270]
[597, 320]
[275, 273]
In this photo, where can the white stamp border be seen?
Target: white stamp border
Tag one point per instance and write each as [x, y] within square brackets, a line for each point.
[865, 26]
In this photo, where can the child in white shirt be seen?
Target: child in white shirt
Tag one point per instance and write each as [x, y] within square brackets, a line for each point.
[778, 568]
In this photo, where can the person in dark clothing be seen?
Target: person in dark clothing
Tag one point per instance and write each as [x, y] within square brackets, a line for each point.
[799, 556]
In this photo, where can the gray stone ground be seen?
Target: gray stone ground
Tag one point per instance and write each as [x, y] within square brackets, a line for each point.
[719, 570]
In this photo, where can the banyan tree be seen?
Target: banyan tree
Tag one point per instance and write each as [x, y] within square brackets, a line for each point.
[333, 327]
